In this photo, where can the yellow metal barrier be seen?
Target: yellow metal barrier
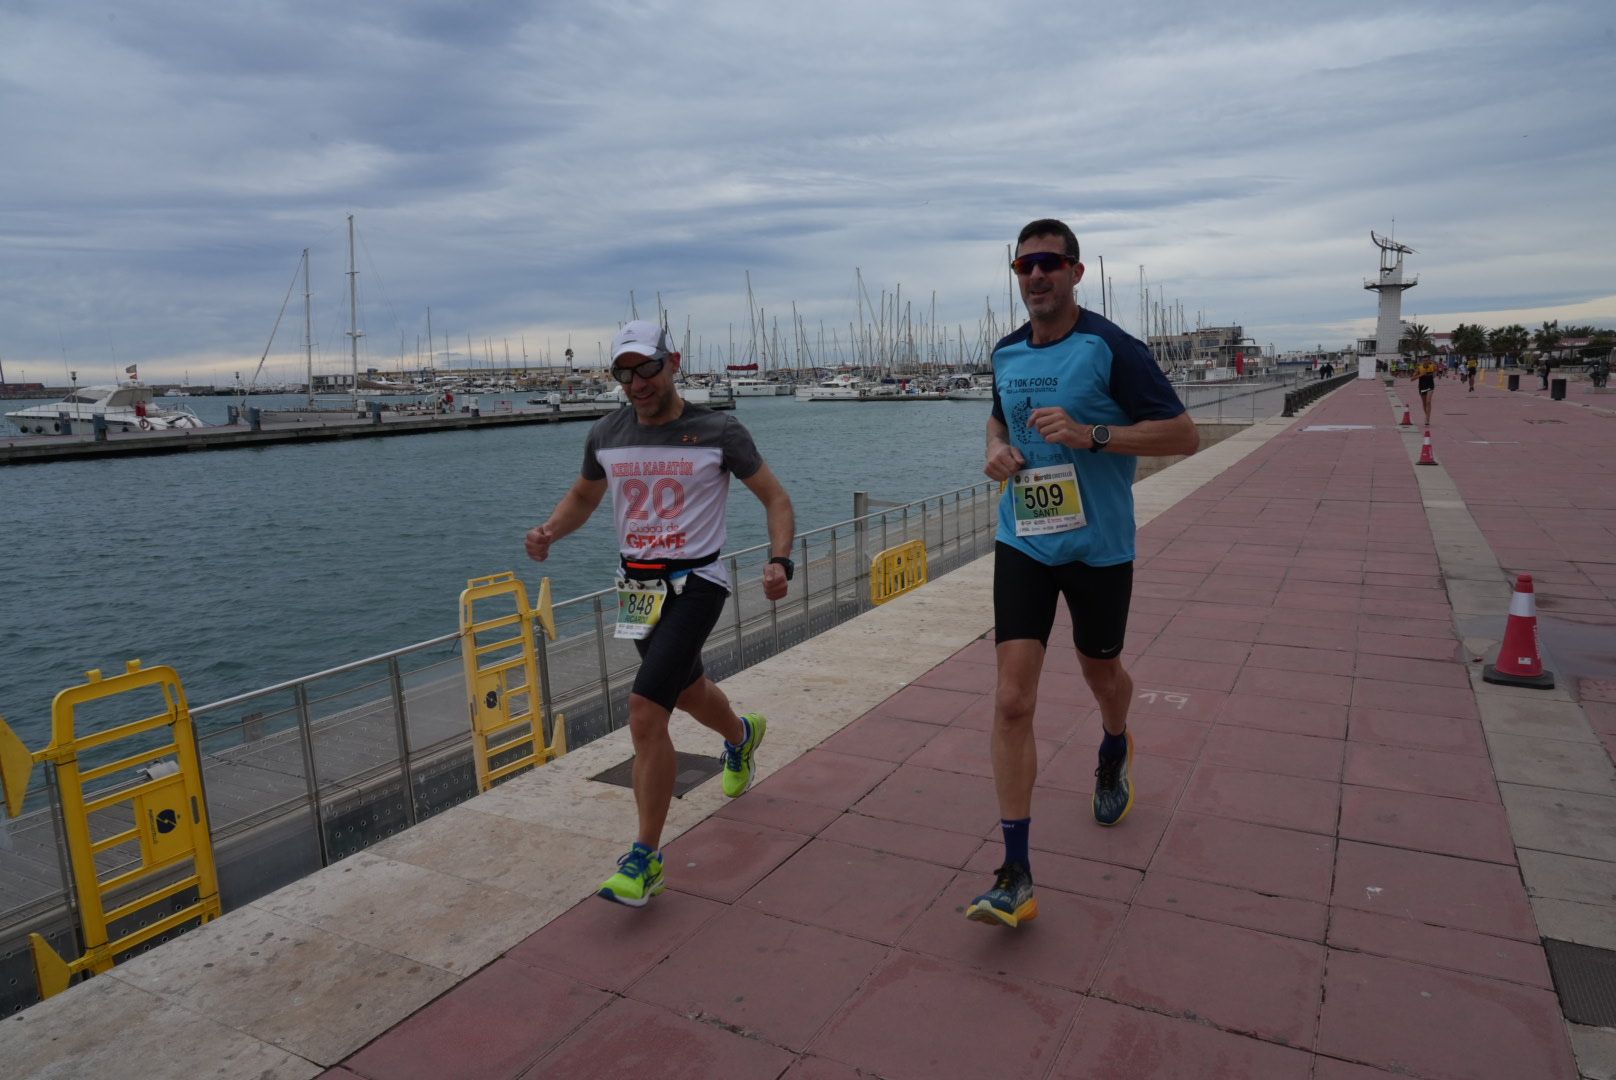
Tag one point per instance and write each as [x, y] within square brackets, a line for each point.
[502, 676]
[897, 570]
[160, 807]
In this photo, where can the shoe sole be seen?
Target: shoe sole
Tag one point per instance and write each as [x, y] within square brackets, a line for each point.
[607, 894]
[987, 913]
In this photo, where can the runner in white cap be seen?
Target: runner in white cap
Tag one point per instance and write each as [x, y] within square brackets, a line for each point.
[667, 463]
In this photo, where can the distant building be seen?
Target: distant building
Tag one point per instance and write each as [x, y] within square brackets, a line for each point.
[1208, 348]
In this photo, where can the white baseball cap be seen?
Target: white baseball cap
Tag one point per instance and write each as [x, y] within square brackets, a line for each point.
[642, 337]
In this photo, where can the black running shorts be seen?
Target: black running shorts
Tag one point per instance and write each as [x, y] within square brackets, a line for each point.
[1024, 593]
[670, 659]
[1427, 383]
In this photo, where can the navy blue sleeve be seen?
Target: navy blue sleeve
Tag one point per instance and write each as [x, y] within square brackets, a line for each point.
[998, 406]
[1138, 383]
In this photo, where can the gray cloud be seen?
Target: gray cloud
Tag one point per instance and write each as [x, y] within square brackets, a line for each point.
[520, 168]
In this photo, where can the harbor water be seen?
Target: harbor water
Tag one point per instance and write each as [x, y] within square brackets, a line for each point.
[245, 569]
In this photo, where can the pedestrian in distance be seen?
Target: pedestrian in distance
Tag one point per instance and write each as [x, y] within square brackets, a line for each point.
[1075, 402]
[1471, 364]
[667, 463]
[1425, 378]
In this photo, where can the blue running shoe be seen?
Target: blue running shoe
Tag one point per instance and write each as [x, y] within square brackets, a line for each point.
[638, 878]
[1010, 902]
[1113, 791]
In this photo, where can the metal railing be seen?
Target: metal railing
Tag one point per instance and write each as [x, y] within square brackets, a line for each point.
[305, 772]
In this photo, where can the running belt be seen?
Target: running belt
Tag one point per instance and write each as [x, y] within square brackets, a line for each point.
[646, 570]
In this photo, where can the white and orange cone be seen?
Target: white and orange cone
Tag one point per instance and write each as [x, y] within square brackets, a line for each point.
[1426, 457]
[1519, 662]
[1408, 421]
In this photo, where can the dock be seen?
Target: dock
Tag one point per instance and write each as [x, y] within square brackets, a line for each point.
[305, 428]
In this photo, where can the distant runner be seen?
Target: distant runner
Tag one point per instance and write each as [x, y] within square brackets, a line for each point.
[1075, 401]
[1425, 374]
[668, 463]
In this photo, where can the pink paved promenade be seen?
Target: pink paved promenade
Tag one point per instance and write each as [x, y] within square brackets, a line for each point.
[1317, 881]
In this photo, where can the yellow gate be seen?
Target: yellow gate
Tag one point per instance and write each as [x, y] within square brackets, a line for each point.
[160, 808]
[502, 677]
[897, 570]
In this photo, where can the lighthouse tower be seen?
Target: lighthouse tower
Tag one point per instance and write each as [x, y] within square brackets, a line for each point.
[1391, 286]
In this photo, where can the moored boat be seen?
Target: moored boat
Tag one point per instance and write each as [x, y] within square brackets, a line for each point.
[127, 407]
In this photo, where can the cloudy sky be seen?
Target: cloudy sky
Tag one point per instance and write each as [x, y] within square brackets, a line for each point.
[521, 168]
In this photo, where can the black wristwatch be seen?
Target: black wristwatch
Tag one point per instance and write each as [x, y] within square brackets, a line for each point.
[1101, 436]
[785, 564]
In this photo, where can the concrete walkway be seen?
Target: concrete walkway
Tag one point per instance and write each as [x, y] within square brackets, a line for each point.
[1344, 852]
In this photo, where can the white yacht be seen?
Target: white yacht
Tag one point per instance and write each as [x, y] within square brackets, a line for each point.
[966, 388]
[751, 386]
[125, 408]
[838, 386]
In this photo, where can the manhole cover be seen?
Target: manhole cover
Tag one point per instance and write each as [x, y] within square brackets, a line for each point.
[1585, 979]
[693, 769]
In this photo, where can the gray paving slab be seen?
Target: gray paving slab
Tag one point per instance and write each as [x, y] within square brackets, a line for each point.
[449, 922]
[1518, 712]
[1596, 1051]
[1552, 763]
[1568, 822]
[1585, 924]
[317, 994]
[1568, 877]
[110, 1028]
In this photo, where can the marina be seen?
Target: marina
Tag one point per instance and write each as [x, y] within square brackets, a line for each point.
[260, 431]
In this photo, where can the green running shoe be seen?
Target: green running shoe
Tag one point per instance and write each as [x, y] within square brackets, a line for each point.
[638, 878]
[738, 759]
[1113, 791]
[1010, 902]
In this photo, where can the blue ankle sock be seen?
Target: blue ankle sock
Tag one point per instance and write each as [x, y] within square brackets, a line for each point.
[746, 733]
[1113, 747]
[637, 846]
[1015, 841]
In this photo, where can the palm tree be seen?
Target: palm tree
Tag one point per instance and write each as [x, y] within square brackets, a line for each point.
[1469, 340]
[1509, 341]
[1547, 340]
[1417, 342]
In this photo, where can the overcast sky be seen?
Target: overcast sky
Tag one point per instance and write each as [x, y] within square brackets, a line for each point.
[519, 168]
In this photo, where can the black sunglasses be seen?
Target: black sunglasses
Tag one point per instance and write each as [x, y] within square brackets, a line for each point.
[1047, 261]
[648, 369]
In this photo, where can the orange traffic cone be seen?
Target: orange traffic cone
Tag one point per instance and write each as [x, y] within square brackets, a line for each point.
[1425, 450]
[1518, 661]
[1408, 421]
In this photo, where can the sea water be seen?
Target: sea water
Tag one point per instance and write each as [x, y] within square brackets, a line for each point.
[248, 567]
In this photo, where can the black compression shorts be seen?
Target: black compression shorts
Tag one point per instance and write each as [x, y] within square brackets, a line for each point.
[1025, 590]
[670, 659]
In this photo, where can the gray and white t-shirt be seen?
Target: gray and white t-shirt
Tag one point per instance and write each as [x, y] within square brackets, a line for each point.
[669, 482]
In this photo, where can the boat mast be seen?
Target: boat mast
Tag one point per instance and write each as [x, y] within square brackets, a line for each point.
[431, 350]
[308, 334]
[353, 312]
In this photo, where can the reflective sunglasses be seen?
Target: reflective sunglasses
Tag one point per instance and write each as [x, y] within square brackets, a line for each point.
[1047, 261]
[648, 369]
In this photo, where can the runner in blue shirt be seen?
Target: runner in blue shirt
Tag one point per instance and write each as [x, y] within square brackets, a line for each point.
[1075, 402]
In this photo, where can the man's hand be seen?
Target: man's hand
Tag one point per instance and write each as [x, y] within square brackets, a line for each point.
[1057, 427]
[1004, 461]
[538, 541]
[774, 581]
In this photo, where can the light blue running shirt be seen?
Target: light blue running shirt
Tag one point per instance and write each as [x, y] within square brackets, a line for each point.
[1099, 375]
